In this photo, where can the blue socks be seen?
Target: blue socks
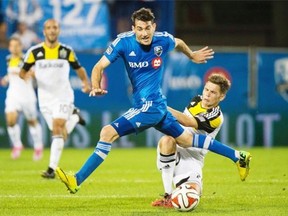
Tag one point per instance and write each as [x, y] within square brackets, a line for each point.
[98, 156]
[207, 142]
[199, 141]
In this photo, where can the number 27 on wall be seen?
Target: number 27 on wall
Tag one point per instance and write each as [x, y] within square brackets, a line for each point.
[75, 16]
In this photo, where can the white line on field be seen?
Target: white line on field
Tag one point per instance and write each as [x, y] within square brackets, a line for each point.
[70, 196]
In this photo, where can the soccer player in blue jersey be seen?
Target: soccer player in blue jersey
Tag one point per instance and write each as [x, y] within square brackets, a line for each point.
[143, 51]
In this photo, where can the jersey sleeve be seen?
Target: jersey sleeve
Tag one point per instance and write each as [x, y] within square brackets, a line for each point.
[209, 121]
[171, 42]
[29, 60]
[113, 51]
[167, 40]
[73, 61]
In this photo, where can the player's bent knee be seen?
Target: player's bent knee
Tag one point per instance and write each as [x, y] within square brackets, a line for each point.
[32, 122]
[167, 145]
[11, 119]
[108, 134]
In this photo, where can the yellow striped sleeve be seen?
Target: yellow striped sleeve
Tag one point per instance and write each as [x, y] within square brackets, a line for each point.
[30, 59]
[71, 57]
[215, 122]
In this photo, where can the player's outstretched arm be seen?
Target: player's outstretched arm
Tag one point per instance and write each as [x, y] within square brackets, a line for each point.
[96, 77]
[198, 56]
[184, 119]
[81, 72]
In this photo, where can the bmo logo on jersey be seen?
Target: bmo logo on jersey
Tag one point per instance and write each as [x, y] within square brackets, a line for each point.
[156, 62]
[138, 64]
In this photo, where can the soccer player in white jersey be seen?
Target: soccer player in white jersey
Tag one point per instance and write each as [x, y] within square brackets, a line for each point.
[20, 97]
[143, 51]
[203, 116]
[52, 61]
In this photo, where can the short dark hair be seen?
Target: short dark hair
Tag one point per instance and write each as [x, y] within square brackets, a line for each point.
[221, 81]
[143, 14]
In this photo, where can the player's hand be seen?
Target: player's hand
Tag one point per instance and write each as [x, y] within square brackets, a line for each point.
[86, 88]
[29, 75]
[202, 55]
[4, 81]
[97, 92]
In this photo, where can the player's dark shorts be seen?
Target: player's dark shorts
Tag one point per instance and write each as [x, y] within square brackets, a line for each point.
[151, 114]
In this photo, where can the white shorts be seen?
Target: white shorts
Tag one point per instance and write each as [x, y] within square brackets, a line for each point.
[60, 109]
[187, 169]
[27, 106]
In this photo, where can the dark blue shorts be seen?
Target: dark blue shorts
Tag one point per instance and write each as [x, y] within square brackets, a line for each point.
[151, 114]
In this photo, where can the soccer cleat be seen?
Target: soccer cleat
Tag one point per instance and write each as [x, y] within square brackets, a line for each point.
[38, 154]
[243, 164]
[165, 202]
[16, 152]
[81, 119]
[48, 175]
[69, 180]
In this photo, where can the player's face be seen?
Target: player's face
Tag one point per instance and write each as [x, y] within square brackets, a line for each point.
[144, 31]
[211, 95]
[51, 31]
[15, 47]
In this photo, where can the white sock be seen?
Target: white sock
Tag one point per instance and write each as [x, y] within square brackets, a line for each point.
[237, 154]
[71, 123]
[56, 151]
[15, 135]
[167, 167]
[36, 134]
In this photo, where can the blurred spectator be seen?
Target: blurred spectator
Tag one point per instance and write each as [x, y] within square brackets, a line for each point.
[3, 35]
[28, 11]
[27, 36]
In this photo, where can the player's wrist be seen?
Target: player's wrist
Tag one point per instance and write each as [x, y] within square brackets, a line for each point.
[192, 55]
[95, 88]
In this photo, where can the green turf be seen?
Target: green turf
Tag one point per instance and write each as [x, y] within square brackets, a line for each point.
[128, 182]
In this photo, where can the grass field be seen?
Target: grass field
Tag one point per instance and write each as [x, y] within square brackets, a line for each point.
[128, 182]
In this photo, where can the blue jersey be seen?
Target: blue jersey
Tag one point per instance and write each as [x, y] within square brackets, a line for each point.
[144, 64]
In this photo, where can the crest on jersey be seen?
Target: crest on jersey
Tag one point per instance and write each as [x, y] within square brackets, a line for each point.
[63, 53]
[158, 50]
[281, 77]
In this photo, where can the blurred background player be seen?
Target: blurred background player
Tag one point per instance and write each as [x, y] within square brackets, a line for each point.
[20, 97]
[203, 116]
[27, 36]
[52, 61]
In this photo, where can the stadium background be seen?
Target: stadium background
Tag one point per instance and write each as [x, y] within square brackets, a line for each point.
[251, 44]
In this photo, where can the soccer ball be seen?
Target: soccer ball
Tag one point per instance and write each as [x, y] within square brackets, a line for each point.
[185, 197]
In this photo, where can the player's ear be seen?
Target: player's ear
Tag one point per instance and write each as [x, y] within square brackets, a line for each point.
[154, 25]
[222, 97]
[133, 28]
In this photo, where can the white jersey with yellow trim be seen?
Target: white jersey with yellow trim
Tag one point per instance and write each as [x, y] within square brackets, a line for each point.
[52, 68]
[209, 123]
[19, 90]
